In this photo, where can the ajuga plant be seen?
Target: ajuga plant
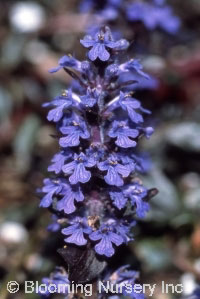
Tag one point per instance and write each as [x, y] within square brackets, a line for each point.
[94, 190]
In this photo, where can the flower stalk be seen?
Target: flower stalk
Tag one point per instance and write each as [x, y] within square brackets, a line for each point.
[94, 190]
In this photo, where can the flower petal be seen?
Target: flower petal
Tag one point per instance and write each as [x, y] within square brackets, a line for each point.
[104, 247]
[113, 178]
[69, 167]
[77, 238]
[80, 174]
[123, 169]
[124, 141]
[70, 140]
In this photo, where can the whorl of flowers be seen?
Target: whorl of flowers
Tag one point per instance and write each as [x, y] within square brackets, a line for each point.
[94, 191]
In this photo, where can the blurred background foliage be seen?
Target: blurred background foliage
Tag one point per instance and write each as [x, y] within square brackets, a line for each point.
[33, 35]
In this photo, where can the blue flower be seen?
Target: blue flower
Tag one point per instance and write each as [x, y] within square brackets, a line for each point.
[61, 102]
[121, 131]
[107, 238]
[115, 171]
[66, 61]
[153, 15]
[111, 71]
[77, 168]
[86, 6]
[135, 66]
[148, 131]
[142, 162]
[159, 2]
[118, 198]
[124, 276]
[74, 131]
[111, 10]
[127, 160]
[98, 45]
[140, 81]
[96, 151]
[54, 226]
[58, 277]
[130, 104]
[195, 293]
[136, 192]
[91, 98]
[123, 228]
[59, 160]
[109, 13]
[71, 194]
[76, 231]
[167, 20]
[51, 187]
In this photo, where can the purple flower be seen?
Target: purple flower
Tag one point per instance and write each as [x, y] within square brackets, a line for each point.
[134, 66]
[96, 151]
[116, 3]
[51, 188]
[125, 276]
[123, 228]
[142, 162]
[54, 226]
[59, 160]
[148, 131]
[127, 160]
[109, 13]
[91, 98]
[153, 15]
[118, 198]
[159, 2]
[107, 238]
[111, 71]
[166, 20]
[71, 194]
[121, 131]
[76, 231]
[74, 131]
[130, 104]
[61, 102]
[86, 5]
[140, 82]
[58, 277]
[122, 274]
[115, 171]
[195, 294]
[77, 168]
[99, 45]
[66, 61]
[136, 192]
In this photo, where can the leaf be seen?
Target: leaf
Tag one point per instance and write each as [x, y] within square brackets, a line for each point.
[83, 263]
[154, 253]
[166, 203]
[185, 135]
[24, 141]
